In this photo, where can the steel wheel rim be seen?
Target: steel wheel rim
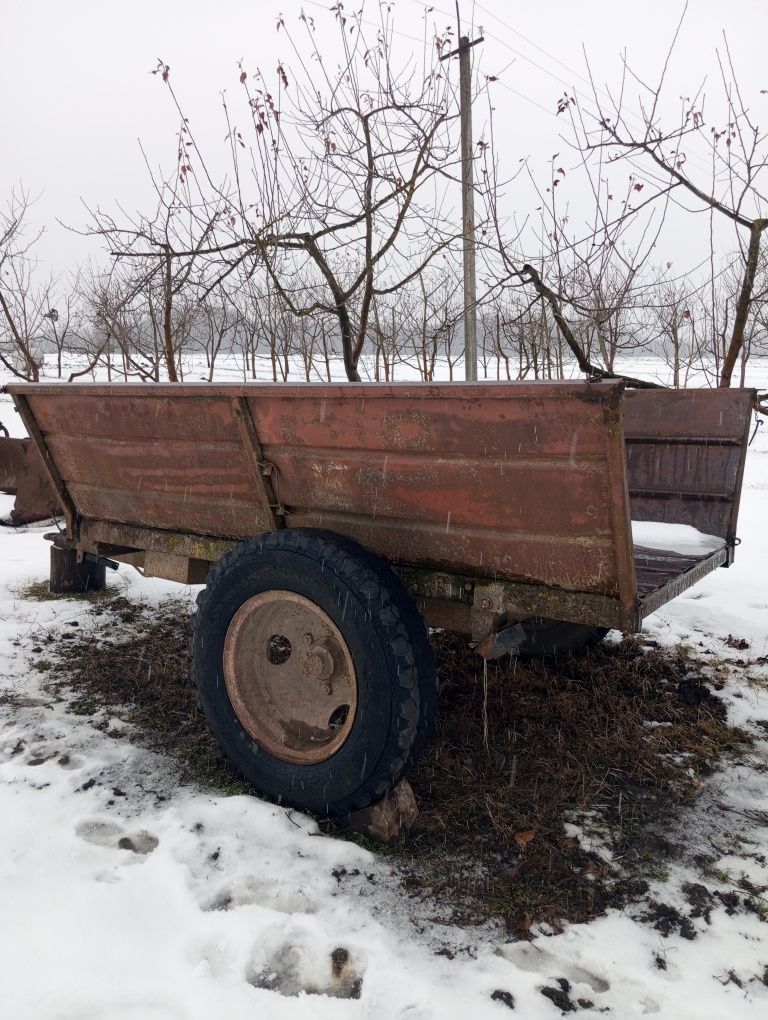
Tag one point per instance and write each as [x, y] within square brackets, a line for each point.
[290, 677]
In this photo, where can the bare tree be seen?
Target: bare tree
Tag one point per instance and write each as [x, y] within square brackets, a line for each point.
[276, 323]
[103, 339]
[130, 312]
[386, 331]
[339, 174]
[427, 313]
[246, 296]
[64, 324]
[672, 325]
[155, 282]
[24, 304]
[214, 323]
[584, 275]
[734, 149]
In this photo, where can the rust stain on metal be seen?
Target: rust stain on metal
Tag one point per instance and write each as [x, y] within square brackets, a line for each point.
[409, 429]
[48, 464]
[22, 475]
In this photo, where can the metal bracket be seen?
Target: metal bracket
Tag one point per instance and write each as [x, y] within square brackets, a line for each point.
[487, 608]
[504, 641]
[262, 469]
[49, 467]
[731, 552]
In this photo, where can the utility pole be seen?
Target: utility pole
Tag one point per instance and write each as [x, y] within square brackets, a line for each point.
[467, 200]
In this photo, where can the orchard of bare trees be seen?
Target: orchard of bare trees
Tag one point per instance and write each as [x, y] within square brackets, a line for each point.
[323, 240]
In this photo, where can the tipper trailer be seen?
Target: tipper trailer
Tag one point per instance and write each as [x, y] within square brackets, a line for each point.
[328, 522]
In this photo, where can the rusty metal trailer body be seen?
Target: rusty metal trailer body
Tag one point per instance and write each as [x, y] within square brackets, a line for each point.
[495, 503]
[488, 497]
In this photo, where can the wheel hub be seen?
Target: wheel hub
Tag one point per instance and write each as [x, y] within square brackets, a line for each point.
[318, 662]
[290, 677]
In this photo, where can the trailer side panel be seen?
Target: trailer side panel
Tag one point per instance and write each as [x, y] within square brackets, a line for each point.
[685, 456]
[523, 482]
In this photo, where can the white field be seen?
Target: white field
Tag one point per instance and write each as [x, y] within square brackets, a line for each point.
[93, 932]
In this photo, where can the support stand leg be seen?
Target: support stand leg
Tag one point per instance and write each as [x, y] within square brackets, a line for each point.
[68, 577]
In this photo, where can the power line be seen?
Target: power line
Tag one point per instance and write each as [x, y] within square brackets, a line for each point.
[694, 158]
[540, 49]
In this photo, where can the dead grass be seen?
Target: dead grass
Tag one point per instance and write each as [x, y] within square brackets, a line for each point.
[618, 739]
[135, 665]
[39, 591]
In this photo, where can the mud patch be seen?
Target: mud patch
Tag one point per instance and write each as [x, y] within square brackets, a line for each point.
[669, 920]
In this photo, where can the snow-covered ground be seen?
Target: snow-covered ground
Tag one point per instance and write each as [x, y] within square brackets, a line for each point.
[126, 897]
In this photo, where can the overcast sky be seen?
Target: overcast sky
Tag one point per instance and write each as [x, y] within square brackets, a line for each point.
[77, 95]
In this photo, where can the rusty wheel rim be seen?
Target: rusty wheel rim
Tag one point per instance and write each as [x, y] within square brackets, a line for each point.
[290, 677]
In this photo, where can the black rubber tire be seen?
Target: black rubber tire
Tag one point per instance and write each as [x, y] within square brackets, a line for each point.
[387, 639]
[556, 639]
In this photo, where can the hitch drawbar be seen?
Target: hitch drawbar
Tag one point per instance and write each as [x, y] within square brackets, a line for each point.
[93, 558]
[503, 642]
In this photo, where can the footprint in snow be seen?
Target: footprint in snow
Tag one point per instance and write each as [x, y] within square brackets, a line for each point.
[114, 836]
[527, 956]
[246, 890]
[295, 969]
[27, 701]
[39, 756]
[12, 749]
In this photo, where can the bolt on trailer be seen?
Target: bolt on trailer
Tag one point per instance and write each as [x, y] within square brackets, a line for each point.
[329, 522]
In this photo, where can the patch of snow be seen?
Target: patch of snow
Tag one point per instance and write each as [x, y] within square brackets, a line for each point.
[678, 538]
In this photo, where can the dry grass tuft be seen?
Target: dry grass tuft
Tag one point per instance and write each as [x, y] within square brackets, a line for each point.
[39, 591]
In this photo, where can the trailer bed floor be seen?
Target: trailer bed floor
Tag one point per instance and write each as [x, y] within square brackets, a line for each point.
[663, 574]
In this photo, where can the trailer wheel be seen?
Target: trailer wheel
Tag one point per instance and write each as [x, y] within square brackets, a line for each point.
[314, 669]
[555, 639]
